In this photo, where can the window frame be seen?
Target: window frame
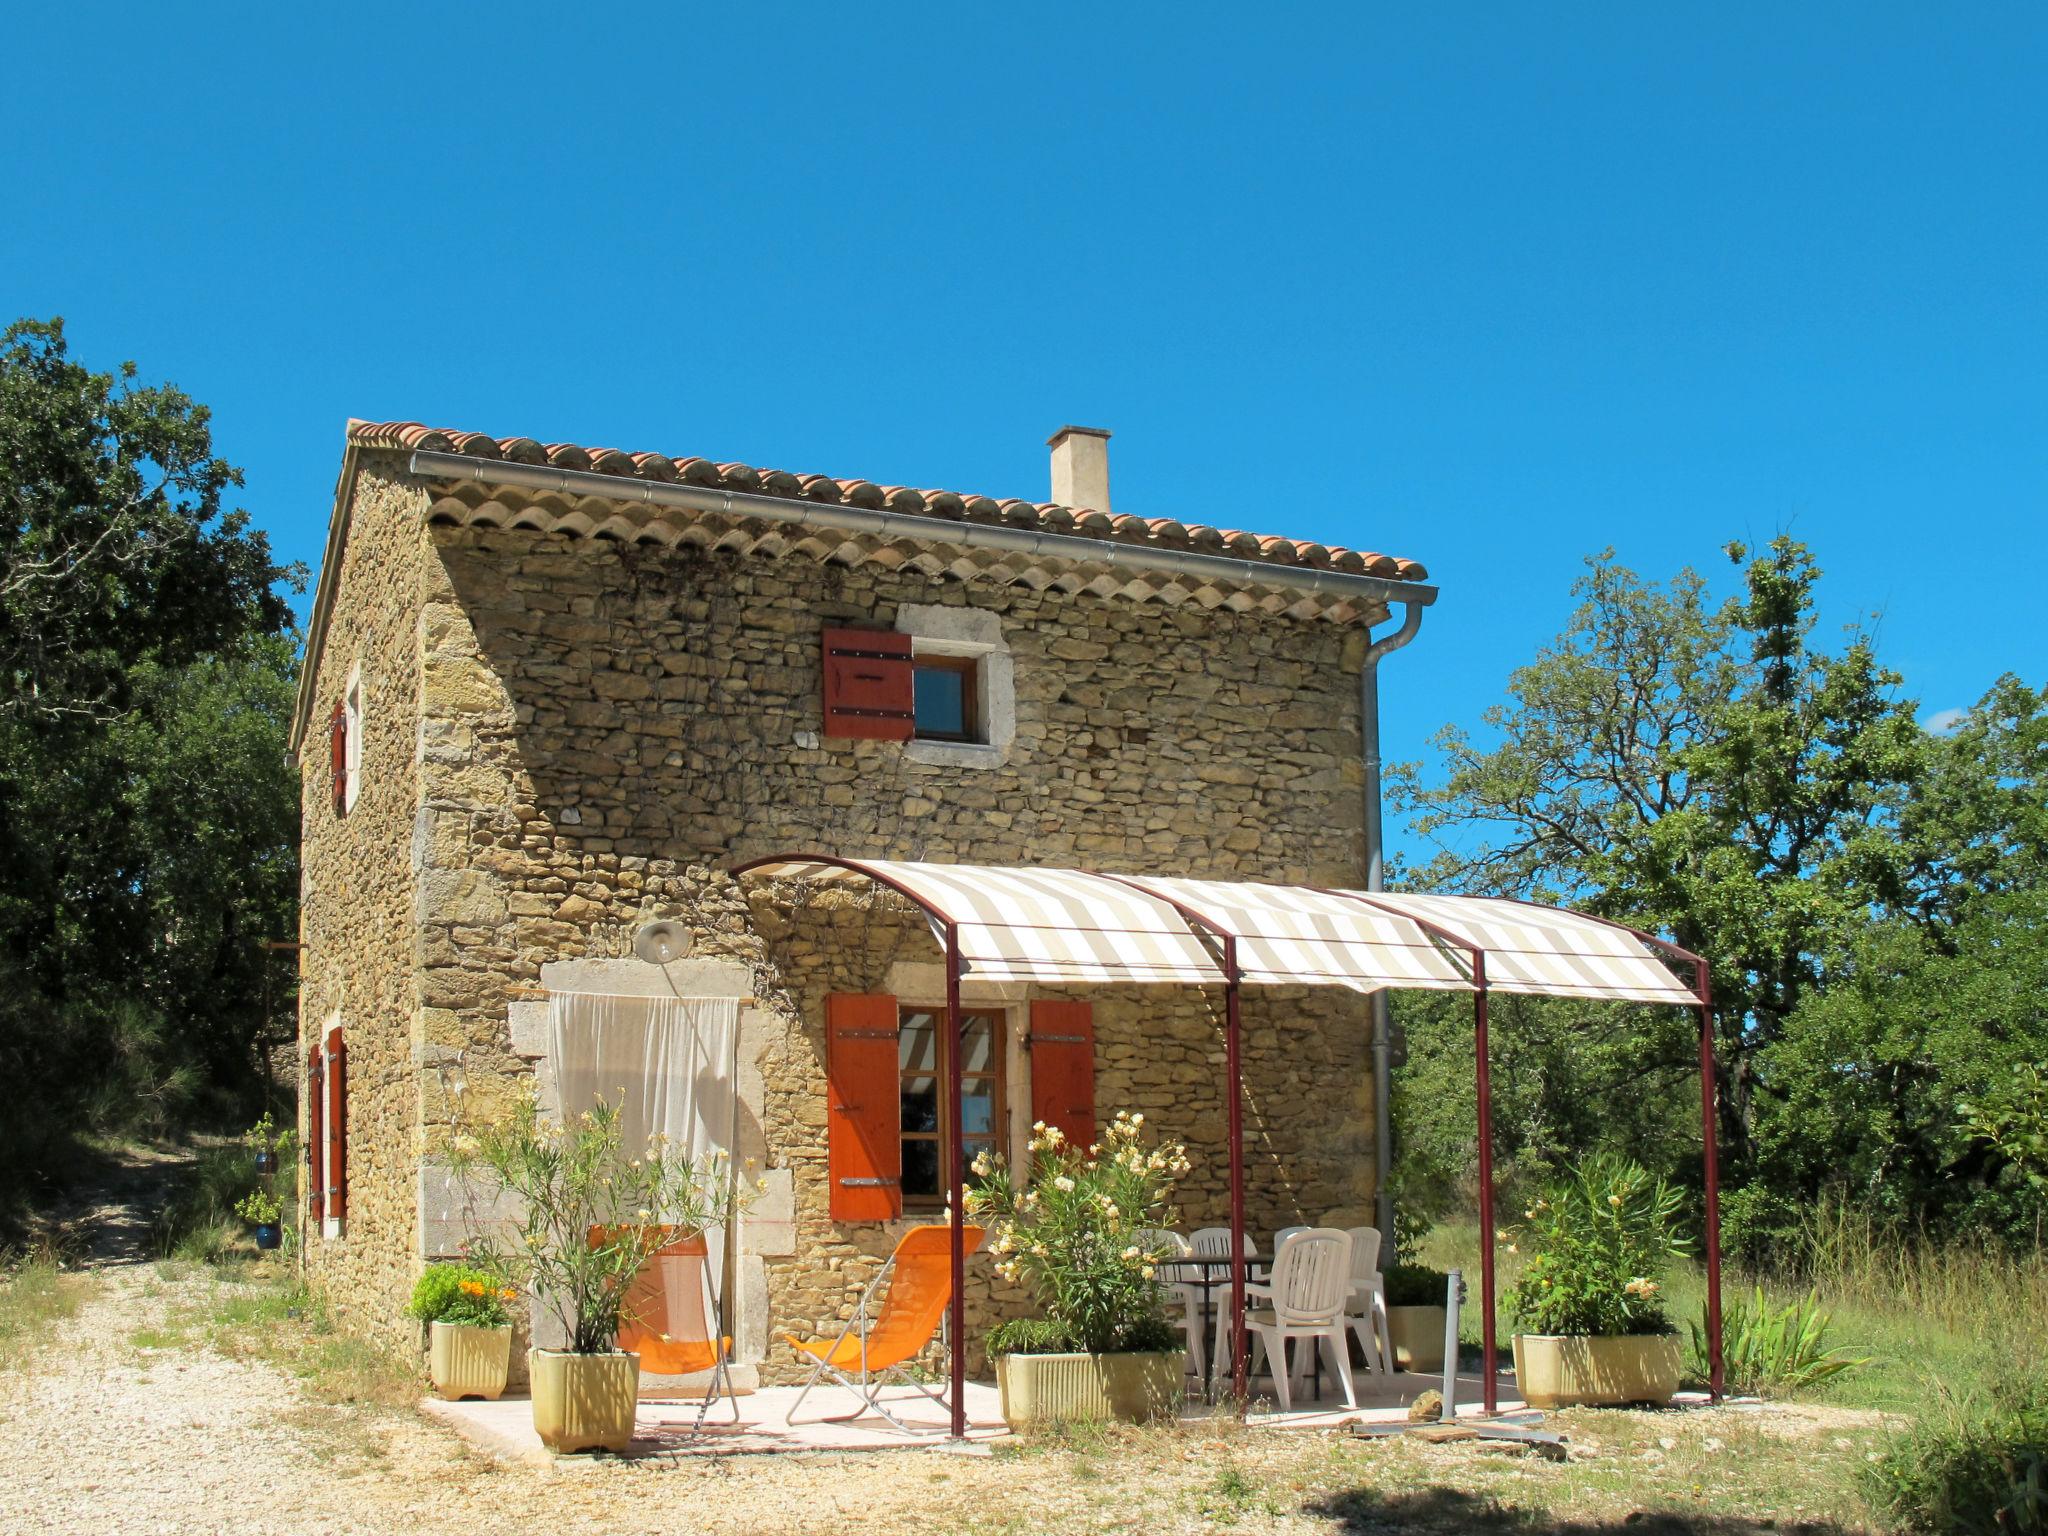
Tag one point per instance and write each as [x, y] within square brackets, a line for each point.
[997, 1075]
[967, 667]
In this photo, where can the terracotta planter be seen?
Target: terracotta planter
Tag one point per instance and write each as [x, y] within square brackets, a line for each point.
[1041, 1389]
[1553, 1371]
[468, 1362]
[583, 1402]
[1418, 1335]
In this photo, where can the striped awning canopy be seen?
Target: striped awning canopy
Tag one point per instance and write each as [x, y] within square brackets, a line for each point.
[1035, 924]
[1544, 951]
[1069, 925]
[1293, 935]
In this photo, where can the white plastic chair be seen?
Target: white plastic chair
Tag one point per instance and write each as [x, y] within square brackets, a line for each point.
[1311, 1281]
[1285, 1233]
[1183, 1301]
[1366, 1312]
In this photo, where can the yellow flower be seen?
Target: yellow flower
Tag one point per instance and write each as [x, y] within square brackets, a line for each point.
[1614, 1200]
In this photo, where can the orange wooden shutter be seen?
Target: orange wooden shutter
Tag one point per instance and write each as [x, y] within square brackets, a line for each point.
[1063, 1067]
[863, 1125]
[869, 691]
[337, 757]
[337, 1125]
[316, 1136]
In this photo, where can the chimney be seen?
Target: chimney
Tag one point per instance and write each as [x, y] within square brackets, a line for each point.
[1080, 467]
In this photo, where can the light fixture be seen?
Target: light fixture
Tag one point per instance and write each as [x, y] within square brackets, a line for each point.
[659, 943]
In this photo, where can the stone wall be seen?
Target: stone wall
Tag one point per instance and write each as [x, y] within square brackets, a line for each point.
[358, 960]
[603, 729]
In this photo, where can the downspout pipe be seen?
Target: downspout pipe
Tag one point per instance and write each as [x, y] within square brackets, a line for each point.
[1375, 880]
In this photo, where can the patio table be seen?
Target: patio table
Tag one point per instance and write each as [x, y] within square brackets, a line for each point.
[1209, 1275]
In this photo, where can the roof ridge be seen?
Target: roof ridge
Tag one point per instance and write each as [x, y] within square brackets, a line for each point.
[940, 504]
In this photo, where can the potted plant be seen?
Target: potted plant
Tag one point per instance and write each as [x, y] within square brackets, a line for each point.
[268, 1145]
[1591, 1297]
[591, 1212]
[469, 1332]
[1077, 1234]
[263, 1210]
[1415, 1316]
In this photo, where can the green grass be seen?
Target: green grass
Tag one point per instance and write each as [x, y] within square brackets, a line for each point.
[36, 1294]
[1929, 1322]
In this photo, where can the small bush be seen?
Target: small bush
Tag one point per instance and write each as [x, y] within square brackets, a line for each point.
[1767, 1349]
[1970, 1473]
[1031, 1336]
[456, 1293]
[1416, 1285]
[1602, 1240]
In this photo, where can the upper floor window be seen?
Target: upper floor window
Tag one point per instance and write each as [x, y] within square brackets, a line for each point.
[352, 709]
[947, 697]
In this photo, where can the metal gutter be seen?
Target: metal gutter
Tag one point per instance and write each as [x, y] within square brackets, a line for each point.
[323, 603]
[1375, 880]
[931, 530]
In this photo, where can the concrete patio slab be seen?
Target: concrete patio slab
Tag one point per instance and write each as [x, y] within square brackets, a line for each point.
[669, 1427]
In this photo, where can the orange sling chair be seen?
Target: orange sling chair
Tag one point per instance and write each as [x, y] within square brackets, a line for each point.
[670, 1319]
[919, 1275]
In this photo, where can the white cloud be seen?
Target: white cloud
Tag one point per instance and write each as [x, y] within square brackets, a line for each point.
[1943, 721]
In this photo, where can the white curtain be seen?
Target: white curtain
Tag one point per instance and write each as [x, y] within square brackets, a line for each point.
[670, 1059]
[668, 1062]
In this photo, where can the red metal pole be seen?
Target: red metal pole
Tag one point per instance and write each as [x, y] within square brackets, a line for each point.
[1234, 1069]
[1717, 1377]
[1489, 1397]
[955, 1182]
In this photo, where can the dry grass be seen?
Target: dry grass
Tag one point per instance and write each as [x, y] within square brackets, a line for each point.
[36, 1295]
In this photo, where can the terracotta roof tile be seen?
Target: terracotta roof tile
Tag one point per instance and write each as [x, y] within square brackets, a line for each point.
[862, 493]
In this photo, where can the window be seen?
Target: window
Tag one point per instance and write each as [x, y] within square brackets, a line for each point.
[352, 708]
[921, 1086]
[327, 1132]
[947, 697]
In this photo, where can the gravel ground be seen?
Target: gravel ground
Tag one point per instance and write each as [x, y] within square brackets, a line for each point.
[128, 1421]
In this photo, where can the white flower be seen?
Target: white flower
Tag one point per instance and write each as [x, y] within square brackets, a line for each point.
[1063, 1184]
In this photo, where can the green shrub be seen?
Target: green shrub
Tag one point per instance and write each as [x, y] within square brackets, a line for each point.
[1602, 1240]
[1043, 1336]
[456, 1293]
[1031, 1336]
[1970, 1473]
[1766, 1349]
[1416, 1285]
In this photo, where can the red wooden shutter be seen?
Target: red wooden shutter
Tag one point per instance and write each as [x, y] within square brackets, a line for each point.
[337, 757]
[337, 1125]
[869, 691]
[863, 1124]
[316, 1136]
[1063, 1067]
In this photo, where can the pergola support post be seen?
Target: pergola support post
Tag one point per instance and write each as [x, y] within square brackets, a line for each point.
[956, 1183]
[1233, 1054]
[1711, 1153]
[1489, 1391]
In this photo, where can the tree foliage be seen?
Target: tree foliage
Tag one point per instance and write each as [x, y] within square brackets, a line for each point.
[147, 820]
[1869, 896]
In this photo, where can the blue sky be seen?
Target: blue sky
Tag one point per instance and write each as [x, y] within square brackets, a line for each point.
[1489, 286]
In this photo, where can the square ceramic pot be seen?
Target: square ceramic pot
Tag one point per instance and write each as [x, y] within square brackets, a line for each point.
[1571, 1370]
[1418, 1338]
[584, 1402]
[1039, 1389]
[468, 1362]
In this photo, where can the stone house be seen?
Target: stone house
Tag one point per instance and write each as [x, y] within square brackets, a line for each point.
[565, 690]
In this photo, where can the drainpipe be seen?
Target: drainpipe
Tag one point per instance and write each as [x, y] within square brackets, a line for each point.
[1375, 880]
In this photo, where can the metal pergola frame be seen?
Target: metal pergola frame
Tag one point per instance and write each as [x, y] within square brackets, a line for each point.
[948, 925]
